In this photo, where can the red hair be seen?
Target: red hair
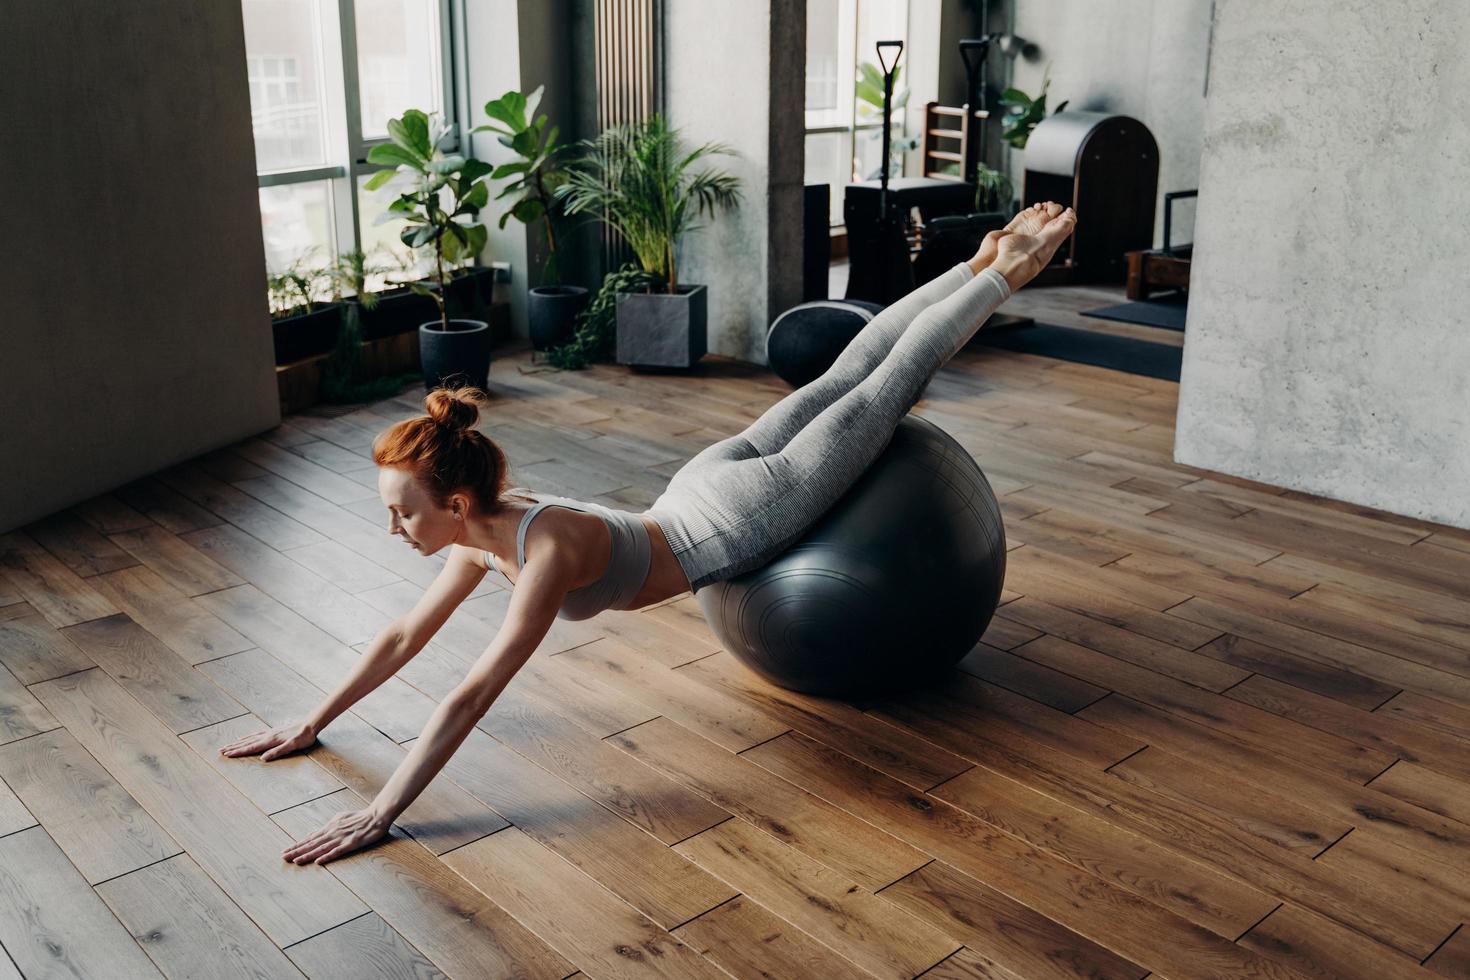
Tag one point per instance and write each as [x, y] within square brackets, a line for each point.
[444, 451]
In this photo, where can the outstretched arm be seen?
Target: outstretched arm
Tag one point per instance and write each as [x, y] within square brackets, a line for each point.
[539, 592]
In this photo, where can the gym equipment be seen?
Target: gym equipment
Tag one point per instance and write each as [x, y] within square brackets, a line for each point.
[1161, 268]
[1106, 167]
[816, 240]
[806, 339]
[878, 249]
[888, 590]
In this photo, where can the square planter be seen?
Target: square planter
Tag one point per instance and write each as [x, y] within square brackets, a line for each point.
[662, 329]
[307, 334]
[398, 311]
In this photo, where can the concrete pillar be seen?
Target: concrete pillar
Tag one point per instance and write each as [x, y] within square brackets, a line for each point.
[736, 74]
[1328, 345]
[136, 332]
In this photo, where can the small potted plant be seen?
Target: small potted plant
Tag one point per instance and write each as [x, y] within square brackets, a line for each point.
[552, 307]
[303, 323]
[439, 205]
[637, 178]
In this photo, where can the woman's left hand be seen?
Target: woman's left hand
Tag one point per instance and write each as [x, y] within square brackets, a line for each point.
[344, 833]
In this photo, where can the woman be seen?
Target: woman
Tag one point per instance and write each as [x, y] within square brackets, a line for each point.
[733, 507]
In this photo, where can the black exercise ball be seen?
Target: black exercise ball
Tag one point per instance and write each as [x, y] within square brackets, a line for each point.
[887, 590]
[806, 339]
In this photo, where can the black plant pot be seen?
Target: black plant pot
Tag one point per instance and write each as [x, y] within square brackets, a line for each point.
[396, 312]
[552, 314]
[462, 294]
[457, 356]
[307, 334]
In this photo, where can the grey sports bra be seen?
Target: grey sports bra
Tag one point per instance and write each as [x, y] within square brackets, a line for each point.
[627, 569]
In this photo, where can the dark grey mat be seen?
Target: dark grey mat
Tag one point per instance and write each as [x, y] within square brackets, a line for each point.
[1161, 311]
[1089, 347]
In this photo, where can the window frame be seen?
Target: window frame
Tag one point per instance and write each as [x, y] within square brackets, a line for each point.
[346, 147]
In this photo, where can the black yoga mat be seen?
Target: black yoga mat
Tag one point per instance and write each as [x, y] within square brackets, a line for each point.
[1164, 311]
[1089, 347]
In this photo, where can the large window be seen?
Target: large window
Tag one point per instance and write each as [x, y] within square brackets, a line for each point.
[325, 78]
[843, 136]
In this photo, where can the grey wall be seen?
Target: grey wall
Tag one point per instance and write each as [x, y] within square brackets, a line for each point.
[1140, 58]
[1328, 344]
[736, 74]
[136, 332]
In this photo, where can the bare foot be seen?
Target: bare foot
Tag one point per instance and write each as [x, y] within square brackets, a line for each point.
[1019, 256]
[1031, 220]
[989, 248]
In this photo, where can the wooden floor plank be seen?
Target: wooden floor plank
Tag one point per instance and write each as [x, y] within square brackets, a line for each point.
[178, 564]
[393, 708]
[441, 818]
[1121, 643]
[614, 852]
[163, 682]
[34, 650]
[576, 916]
[459, 929]
[875, 935]
[642, 796]
[21, 715]
[78, 545]
[233, 841]
[868, 855]
[52, 924]
[1112, 917]
[746, 939]
[181, 622]
[315, 599]
[1413, 827]
[1230, 841]
[1014, 938]
[1028, 678]
[365, 948]
[283, 782]
[51, 588]
[102, 829]
[903, 756]
[1427, 788]
[684, 700]
[189, 927]
[1234, 719]
[1320, 947]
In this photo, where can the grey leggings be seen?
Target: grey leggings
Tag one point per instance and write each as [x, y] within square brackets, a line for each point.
[740, 502]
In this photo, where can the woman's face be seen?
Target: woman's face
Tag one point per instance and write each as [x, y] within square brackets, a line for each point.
[413, 514]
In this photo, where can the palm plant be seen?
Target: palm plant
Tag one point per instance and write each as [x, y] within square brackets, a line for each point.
[296, 288]
[637, 179]
[450, 228]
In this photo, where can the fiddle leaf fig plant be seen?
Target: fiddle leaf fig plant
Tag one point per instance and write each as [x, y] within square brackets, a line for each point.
[441, 197]
[1024, 112]
[536, 175]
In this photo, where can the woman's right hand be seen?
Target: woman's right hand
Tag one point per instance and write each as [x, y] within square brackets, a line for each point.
[273, 742]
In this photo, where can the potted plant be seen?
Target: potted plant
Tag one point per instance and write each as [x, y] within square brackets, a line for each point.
[303, 324]
[552, 306]
[342, 377]
[1024, 112]
[443, 196]
[636, 178]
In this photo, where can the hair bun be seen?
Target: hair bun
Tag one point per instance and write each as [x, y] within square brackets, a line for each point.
[457, 409]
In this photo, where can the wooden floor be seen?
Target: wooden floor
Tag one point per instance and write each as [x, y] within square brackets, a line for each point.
[1216, 729]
